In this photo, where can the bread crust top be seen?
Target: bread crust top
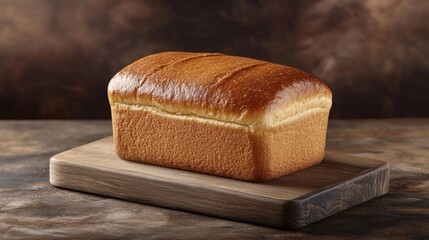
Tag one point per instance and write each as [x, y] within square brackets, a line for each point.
[220, 87]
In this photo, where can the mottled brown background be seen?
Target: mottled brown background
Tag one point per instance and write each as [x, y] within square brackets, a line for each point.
[56, 57]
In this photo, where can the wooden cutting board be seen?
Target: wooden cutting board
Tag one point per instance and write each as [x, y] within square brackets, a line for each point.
[293, 201]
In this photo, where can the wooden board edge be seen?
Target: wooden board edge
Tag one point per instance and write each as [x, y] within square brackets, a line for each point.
[313, 207]
[216, 202]
[360, 162]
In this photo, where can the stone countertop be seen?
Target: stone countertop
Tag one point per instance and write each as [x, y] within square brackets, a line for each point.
[30, 208]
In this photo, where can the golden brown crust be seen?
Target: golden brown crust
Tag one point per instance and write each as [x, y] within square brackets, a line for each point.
[216, 86]
[222, 115]
[152, 136]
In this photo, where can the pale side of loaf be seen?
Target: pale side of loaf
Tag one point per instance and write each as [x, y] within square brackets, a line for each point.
[216, 114]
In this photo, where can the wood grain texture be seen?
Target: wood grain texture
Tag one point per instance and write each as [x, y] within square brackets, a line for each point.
[293, 201]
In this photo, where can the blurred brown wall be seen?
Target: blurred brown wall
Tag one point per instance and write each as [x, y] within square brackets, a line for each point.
[56, 57]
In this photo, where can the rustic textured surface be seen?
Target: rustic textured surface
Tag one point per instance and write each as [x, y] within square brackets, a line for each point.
[56, 57]
[31, 208]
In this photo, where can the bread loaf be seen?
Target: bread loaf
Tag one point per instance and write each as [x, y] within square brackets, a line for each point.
[217, 114]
